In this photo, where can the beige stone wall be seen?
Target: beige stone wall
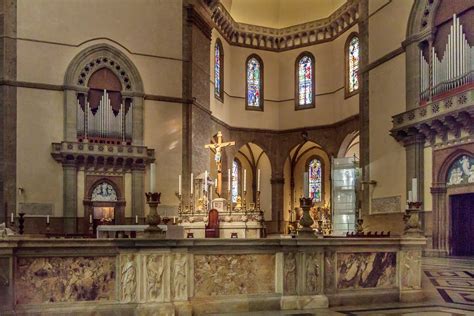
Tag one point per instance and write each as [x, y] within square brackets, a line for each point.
[279, 84]
[50, 34]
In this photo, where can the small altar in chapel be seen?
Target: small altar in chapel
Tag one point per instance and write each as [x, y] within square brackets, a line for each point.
[209, 215]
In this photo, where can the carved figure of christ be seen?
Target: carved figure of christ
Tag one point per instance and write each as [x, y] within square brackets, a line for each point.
[217, 147]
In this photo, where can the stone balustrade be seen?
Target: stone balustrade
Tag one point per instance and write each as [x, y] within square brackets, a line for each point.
[198, 276]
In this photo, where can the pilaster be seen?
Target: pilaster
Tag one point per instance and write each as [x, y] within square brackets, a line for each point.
[70, 197]
[137, 119]
[278, 184]
[138, 192]
[70, 115]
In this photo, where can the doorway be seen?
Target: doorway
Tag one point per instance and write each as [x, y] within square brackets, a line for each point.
[462, 224]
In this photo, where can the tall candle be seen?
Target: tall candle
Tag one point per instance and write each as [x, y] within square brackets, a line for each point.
[205, 181]
[179, 185]
[414, 188]
[90, 219]
[229, 180]
[215, 183]
[306, 185]
[258, 180]
[410, 196]
[136, 219]
[12, 218]
[192, 183]
[47, 219]
[245, 180]
[152, 177]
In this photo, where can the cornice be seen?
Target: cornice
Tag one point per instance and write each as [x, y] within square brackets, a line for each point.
[296, 36]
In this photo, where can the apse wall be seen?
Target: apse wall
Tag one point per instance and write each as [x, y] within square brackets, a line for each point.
[279, 113]
[50, 34]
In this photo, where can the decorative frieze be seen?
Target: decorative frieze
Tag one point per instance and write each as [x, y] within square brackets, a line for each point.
[390, 204]
[295, 36]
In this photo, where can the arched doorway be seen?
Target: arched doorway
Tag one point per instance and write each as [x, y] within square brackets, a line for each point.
[453, 201]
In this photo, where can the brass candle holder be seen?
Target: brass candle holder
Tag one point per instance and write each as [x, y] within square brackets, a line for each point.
[153, 219]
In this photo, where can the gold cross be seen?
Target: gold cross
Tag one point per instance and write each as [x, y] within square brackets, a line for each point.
[218, 158]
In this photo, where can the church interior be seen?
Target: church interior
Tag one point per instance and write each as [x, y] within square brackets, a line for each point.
[237, 157]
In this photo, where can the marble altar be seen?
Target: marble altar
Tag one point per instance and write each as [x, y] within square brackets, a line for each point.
[199, 276]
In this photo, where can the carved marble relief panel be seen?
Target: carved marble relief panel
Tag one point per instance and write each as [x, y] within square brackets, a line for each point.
[410, 269]
[312, 268]
[329, 271]
[5, 290]
[64, 279]
[289, 274]
[234, 274]
[128, 278]
[155, 277]
[179, 276]
[366, 270]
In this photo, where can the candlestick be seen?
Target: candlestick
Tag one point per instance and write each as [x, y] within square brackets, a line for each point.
[152, 177]
[306, 185]
[258, 180]
[90, 219]
[414, 188]
[179, 184]
[136, 219]
[47, 219]
[229, 180]
[192, 184]
[205, 181]
[12, 219]
[245, 180]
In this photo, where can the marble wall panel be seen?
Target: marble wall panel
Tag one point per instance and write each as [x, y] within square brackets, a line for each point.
[313, 262]
[5, 283]
[410, 269]
[289, 274]
[64, 279]
[390, 204]
[179, 276]
[329, 271]
[366, 270]
[234, 274]
[128, 278]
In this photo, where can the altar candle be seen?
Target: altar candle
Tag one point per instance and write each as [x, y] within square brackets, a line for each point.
[229, 180]
[47, 219]
[136, 219]
[258, 180]
[410, 196]
[12, 218]
[90, 219]
[174, 219]
[205, 181]
[414, 188]
[192, 183]
[179, 185]
[245, 180]
[152, 177]
[306, 185]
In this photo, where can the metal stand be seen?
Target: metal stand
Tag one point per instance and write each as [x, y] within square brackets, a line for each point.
[21, 223]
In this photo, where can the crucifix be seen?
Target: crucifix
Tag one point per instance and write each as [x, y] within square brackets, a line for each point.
[218, 158]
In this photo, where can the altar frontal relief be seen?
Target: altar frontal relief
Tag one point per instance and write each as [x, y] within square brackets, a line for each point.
[234, 274]
[366, 270]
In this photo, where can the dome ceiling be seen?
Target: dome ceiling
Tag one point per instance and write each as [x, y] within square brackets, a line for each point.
[280, 13]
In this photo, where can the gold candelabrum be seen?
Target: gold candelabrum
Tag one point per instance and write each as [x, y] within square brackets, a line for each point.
[229, 202]
[244, 202]
[257, 201]
[412, 220]
[306, 231]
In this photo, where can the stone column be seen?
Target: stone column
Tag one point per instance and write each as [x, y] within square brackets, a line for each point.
[70, 197]
[364, 103]
[278, 183]
[440, 220]
[138, 192]
[70, 116]
[137, 121]
[412, 75]
[8, 107]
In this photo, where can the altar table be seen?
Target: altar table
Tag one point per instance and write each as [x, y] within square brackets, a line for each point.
[106, 229]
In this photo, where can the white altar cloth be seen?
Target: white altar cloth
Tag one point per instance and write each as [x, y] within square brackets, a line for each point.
[124, 228]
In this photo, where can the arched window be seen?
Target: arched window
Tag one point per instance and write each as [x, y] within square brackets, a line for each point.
[254, 83]
[315, 176]
[352, 64]
[236, 169]
[219, 71]
[304, 81]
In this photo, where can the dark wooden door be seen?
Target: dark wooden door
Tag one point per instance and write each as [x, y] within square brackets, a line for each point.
[462, 224]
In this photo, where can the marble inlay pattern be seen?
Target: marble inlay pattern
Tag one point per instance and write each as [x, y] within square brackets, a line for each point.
[179, 280]
[410, 269]
[128, 277]
[154, 267]
[366, 270]
[390, 204]
[289, 272]
[313, 272]
[234, 274]
[64, 279]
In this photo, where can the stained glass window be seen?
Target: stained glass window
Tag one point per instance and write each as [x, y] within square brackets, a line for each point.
[218, 73]
[235, 180]
[315, 182]
[254, 83]
[305, 81]
[353, 63]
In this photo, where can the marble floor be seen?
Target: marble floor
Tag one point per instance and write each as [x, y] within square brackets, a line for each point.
[448, 284]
